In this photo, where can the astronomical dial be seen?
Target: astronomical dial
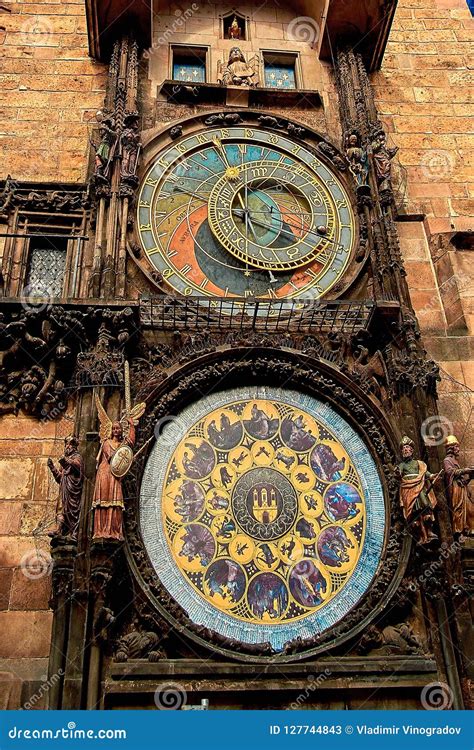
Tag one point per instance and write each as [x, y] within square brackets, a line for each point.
[241, 212]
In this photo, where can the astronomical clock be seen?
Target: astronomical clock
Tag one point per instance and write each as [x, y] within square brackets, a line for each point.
[261, 508]
[245, 212]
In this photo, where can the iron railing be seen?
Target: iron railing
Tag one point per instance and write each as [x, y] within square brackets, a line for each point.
[273, 316]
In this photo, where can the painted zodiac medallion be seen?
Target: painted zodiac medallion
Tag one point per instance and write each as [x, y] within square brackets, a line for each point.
[263, 514]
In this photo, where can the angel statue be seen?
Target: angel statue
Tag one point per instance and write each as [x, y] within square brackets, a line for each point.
[113, 461]
[238, 72]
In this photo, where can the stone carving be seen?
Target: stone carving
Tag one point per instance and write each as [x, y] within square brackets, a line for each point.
[176, 132]
[103, 363]
[417, 498]
[129, 151]
[237, 72]
[371, 370]
[457, 480]
[108, 496]
[17, 195]
[139, 645]
[267, 121]
[333, 155]
[105, 151]
[358, 162]
[229, 118]
[37, 353]
[391, 640]
[70, 477]
[295, 130]
[382, 156]
[410, 370]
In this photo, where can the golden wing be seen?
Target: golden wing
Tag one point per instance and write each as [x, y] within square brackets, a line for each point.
[137, 412]
[105, 430]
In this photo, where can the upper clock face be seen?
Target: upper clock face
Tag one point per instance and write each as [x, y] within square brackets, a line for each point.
[243, 212]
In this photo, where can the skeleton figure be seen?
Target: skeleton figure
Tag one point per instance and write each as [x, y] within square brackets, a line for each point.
[130, 146]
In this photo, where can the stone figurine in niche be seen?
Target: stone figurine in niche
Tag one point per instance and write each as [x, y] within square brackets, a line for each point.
[358, 162]
[129, 146]
[383, 156]
[70, 477]
[138, 645]
[235, 30]
[237, 72]
[105, 151]
[417, 498]
[457, 480]
[113, 461]
[390, 640]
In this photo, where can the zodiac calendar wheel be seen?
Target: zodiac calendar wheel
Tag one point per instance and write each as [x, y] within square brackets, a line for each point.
[263, 515]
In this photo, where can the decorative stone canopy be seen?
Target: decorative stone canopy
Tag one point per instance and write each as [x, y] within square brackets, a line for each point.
[107, 22]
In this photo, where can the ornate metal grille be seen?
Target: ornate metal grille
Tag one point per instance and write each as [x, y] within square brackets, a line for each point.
[287, 315]
[46, 269]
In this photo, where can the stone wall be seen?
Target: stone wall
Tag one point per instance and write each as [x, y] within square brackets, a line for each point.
[424, 93]
[269, 29]
[28, 496]
[49, 90]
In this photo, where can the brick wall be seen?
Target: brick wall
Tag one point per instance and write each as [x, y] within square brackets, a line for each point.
[49, 89]
[425, 94]
[28, 496]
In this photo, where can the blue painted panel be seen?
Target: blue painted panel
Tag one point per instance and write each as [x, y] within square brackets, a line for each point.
[280, 76]
[191, 72]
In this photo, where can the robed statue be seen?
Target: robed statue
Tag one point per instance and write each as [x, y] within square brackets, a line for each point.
[70, 477]
[417, 498]
[457, 480]
[238, 72]
[114, 459]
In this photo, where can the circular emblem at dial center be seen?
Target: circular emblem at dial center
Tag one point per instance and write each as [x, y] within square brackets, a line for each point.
[264, 503]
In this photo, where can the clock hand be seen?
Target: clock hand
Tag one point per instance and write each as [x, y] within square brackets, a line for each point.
[189, 192]
[248, 222]
[290, 234]
[218, 145]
